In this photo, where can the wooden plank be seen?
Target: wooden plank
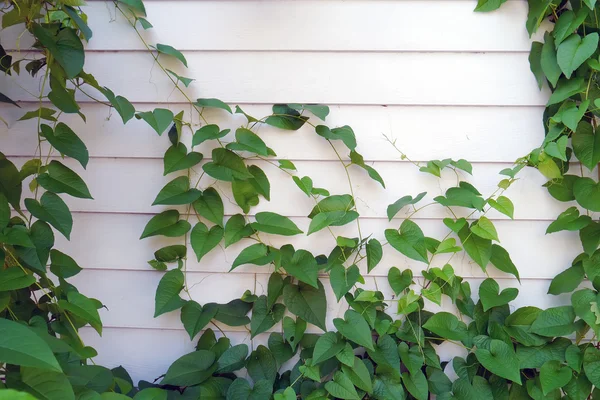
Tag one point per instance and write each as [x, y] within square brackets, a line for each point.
[332, 25]
[477, 134]
[317, 77]
[113, 242]
[130, 186]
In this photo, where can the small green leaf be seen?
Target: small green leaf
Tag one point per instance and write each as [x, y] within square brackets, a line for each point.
[171, 51]
[236, 229]
[587, 193]
[354, 327]
[285, 117]
[246, 140]
[409, 241]
[186, 81]
[274, 223]
[503, 205]
[257, 254]
[344, 133]
[341, 387]
[53, 210]
[208, 132]
[488, 5]
[84, 308]
[586, 145]
[166, 223]
[195, 317]
[135, 5]
[394, 208]
[63, 139]
[226, 165]
[167, 294]
[501, 260]
[213, 103]
[342, 279]
[490, 296]
[485, 229]
[574, 51]
[548, 60]
[399, 280]
[177, 192]
[159, 119]
[446, 325]
[204, 240]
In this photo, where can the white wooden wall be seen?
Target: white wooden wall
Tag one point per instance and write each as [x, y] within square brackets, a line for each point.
[441, 79]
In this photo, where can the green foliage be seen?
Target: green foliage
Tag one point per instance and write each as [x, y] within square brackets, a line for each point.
[526, 353]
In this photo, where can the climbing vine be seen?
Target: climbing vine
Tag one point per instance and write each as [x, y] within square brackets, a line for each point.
[382, 348]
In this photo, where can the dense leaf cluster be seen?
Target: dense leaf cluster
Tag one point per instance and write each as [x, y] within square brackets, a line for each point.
[381, 348]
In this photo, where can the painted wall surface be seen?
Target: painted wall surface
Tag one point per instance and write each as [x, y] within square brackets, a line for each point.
[432, 74]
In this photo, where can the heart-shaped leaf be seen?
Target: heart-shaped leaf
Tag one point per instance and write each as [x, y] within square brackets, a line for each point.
[195, 317]
[240, 390]
[293, 331]
[276, 224]
[410, 241]
[354, 327]
[455, 226]
[204, 240]
[327, 346]
[485, 229]
[341, 387]
[399, 280]
[166, 223]
[343, 279]
[159, 119]
[257, 254]
[236, 229]
[264, 318]
[208, 132]
[500, 359]
[210, 206]
[574, 50]
[554, 375]
[394, 208]
[302, 265]
[177, 192]
[246, 140]
[226, 166]
[191, 369]
[587, 193]
[167, 294]
[586, 145]
[490, 296]
[306, 302]
[63, 139]
[53, 210]
[374, 253]
[61, 179]
[177, 159]
[121, 104]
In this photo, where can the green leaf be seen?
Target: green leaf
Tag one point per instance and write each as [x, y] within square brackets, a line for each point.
[567, 281]
[574, 51]
[263, 317]
[591, 364]
[274, 223]
[342, 279]
[208, 132]
[565, 89]
[446, 325]
[246, 140]
[555, 321]
[210, 206]
[488, 5]
[135, 5]
[226, 166]
[399, 280]
[204, 240]
[14, 278]
[61, 179]
[10, 182]
[306, 302]
[374, 253]
[195, 317]
[213, 103]
[171, 51]
[587, 193]
[53, 210]
[262, 365]
[166, 223]
[490, 295]
[285, 117]
[240, 390]
[159, 119]
[500, 359]
[236, 229]
[66, 141]
[478, 248]
[484, 228]
[327, 346]
[64, 46]
[287, 164]
[416, 384]
[355, 328]
[358, 159]
[19, 345]
[359, 375]
[257, 254]
[177, 192]
[586, 145]
[548, 60]
[288, 394]
[186, 81]
[590, 237]
[410, 241]
[501, 260]
[47, 385]
[303, 266]
[293, 331]
[503, 205]
[569, 220]
[344, 133]
[393, 209]
[320, 111]
[553, 375]
[232, 359]
[125, 109]
[260, 182]
[233, 313]
[167, 294]
[281, 350]
[191, 369]
[84, 308]
[341, 387]
[151, 394]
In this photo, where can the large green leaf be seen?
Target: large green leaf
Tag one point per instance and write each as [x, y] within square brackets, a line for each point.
[167, 294]
[446, 325]
[166, 223]
[159, 119]
[355, 328]
[587, 193]
[204, 240]
[84, 308]
[306, 302]
[548, 61]
[586, 145]
[19, 345]
[46, 384]
[226, 166]
[341, 387]
[61, 179]
[65, 46]
[15, 278]
[53, 210]
[246, 140]
[210, 206]
[63, 265]
[236, 229]
[553, 375]
[191, 369]
[257, 254]
[500, 359]
[233, 313]
[409, 241]
[177, 158]
[240, 390]
[327, 346]
[303, 266]
[490, 295]
[125, 109]
[399, 280]
[555, 321]
[591, 364]
[177, 192]
[263, 317]
[574, 51]
[285, 117]
[343, 279]
[232, 359]
[195, 317]
[374, 253]
[261, 365]
[501, 260]
[478, 248]
[63, 139]
[274, 223]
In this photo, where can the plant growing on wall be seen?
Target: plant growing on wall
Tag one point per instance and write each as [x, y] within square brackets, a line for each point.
[382, 348]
